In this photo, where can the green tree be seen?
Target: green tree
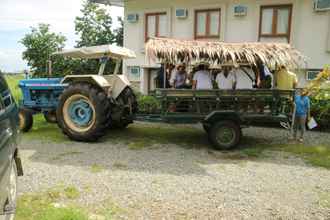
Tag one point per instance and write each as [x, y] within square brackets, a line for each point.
[94, 27]
[119, 32]
[40, 43]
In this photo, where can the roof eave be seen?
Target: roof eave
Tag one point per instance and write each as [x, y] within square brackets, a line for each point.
[119, 3]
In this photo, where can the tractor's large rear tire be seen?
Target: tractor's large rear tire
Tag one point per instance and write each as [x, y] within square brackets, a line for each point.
[225, 135]
[83, 112]
[128, 106]
[25, 120]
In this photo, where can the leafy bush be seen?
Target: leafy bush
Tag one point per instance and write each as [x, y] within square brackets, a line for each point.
[148, 104]
[320, 108]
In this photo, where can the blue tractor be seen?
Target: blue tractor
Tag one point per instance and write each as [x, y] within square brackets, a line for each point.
[39, 96]
[83, 106]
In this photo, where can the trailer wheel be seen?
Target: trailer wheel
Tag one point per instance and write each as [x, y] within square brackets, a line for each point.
[50, 116]
[225, 135]
[83, 112]
[25, 120]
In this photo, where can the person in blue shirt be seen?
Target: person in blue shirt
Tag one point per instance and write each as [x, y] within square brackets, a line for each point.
[302, 103]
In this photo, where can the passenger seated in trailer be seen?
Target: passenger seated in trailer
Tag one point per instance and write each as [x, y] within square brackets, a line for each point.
[226, 79]
[264, 76]
[285, 79]
[202, 78]
[264, 81]
[245, 78]
[179, 77]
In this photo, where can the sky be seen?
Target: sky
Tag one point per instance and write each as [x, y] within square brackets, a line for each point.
[17, 16]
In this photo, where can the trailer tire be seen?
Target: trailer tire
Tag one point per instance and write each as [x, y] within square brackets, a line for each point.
[50, 116]
[83, 112]
[25, 120]
[225, 135]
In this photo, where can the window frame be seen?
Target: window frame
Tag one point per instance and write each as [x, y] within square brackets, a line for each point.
[274, 21]
[156, 14]
[208, 23]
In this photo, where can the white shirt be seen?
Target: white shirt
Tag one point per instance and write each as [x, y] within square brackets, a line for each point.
[243, 81]
[203, 79]
[173, 76]
[226, 82]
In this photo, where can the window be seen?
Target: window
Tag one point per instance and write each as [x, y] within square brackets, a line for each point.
[275, 21]
[207, 23]
[5, 95]
[312, 74]
[156, 25]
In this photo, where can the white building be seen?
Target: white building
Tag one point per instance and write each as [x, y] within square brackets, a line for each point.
[303, 23]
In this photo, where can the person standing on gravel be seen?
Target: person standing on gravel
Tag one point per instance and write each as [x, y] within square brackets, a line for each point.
[302, 113]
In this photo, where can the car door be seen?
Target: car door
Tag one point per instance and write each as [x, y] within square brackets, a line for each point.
[6, 138]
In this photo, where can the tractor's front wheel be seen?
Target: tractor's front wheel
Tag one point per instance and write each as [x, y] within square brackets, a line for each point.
[83, 112]
[25, 120]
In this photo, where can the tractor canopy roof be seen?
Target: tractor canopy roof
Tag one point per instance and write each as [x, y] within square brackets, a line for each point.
[166, 50]
[97, 52]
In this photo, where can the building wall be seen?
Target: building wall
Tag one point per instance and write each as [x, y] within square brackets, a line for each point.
[310, 31]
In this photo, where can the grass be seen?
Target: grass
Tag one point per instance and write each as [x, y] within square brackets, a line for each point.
[12, 81]
[95, 168]
[46, 206]
[71, 192]
[65, 154]
[45, 131]
[316, 155]
[324, 199]
[41, 130]
[109, 210]
[139, 136]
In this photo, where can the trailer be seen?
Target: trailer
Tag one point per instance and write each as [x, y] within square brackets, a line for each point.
[223, 113]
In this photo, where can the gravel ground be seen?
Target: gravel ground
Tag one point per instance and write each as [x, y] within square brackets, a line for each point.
[170, 181]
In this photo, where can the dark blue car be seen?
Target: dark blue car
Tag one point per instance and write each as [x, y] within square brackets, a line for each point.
[10, 162]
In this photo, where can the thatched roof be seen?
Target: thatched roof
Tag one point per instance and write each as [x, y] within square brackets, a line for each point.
[174, 51]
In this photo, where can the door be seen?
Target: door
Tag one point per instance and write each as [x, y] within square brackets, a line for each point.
[7, 106]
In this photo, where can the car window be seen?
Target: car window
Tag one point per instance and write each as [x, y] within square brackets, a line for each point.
[5, 96]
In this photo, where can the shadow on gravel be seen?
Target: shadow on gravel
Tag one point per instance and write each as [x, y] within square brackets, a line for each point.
[154, 148]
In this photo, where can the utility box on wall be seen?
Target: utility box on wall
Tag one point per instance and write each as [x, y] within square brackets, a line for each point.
[322, 5]
[132, 18]
[181, 13]
[240, 10]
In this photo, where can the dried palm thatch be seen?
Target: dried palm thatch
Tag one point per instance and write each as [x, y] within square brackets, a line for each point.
[167, 50]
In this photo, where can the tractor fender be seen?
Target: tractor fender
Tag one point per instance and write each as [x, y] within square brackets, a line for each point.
[113, 85]
[97, 80]
[217, 116]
